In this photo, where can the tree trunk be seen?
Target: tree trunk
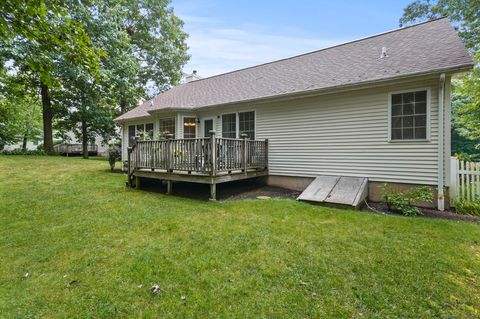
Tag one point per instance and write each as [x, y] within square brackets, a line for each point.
[123, 105]
[47, 119]
[84, 139]
[24, 143]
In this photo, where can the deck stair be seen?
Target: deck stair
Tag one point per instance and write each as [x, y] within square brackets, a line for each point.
[337, 190]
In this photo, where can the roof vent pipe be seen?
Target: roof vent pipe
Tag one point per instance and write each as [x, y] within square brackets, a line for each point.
[384, 53]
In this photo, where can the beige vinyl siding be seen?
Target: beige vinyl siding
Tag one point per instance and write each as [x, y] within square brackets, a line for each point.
[343, 133]
[346, 134]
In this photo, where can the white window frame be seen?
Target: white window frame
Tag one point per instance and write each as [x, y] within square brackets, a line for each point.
[429, 112]
[237, 122]
[168, 118]
[196, 124]
[144, 124]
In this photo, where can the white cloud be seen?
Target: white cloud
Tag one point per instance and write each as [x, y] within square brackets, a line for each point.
[216, 48]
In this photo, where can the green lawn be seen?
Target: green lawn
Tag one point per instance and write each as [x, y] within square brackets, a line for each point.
[68, 219]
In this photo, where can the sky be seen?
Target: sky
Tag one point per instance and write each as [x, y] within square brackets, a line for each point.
[229, 35]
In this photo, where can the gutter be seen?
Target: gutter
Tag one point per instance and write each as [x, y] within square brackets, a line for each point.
[441, 142]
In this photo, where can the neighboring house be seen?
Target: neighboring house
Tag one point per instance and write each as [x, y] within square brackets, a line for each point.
[378, 108]
[30, 146]
[98, 146]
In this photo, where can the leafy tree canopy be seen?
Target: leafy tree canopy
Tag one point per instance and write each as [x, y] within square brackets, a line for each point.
[91, 59]
[465, 15]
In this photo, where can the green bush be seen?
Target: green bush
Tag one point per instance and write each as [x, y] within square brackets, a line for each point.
[114, 154]
[465, 207]
[21, 152]
[405, 201]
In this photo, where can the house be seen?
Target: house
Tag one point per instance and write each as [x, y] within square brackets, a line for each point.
[73, 146]
[377, 108]
[68, 145]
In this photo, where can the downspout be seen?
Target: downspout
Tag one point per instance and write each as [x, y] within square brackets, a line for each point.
[441, 142]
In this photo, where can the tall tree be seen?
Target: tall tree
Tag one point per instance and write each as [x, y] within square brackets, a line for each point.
[35, 36]
[20, 112]
[158, 46]
[143, 44]
[465, 15]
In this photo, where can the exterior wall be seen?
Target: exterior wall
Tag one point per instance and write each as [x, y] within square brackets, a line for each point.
[347, 134]
[374, 188]
[343, 134]
[155, 119]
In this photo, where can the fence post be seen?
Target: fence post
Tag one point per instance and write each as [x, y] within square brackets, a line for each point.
[453, 180]
[244, 152]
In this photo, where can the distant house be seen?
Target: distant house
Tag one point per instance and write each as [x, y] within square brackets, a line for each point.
[74, 146]
[30, 145]
[377, 108]
[97, 147]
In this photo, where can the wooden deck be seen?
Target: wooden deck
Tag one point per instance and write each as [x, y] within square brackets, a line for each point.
[66, 149]
[209, 160]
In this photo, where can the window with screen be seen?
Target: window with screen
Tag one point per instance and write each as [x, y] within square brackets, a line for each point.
[229, 125]
[246, 124]
[189, 127]
[409, 116]
[167, 125]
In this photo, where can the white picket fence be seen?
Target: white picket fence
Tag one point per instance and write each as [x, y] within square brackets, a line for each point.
[464, 179]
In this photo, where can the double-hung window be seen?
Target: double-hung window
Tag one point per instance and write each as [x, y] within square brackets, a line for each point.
[144, 131]
[235, 124]
[246, 124]
[189, 127]
[229, 125]
[409, 116]
[167, 125]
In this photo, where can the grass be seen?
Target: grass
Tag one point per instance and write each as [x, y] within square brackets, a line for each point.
[93, 248]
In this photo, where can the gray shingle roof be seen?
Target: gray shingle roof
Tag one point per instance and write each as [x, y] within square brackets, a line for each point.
[422, 48]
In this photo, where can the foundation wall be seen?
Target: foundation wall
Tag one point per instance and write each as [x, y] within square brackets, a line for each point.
[374, 188]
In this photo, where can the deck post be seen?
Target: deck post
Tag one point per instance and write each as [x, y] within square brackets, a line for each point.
[169, 153]
[213, 192]
[129, 162]
[137, 182]
[169, 187]
[214, 153]
[244, 153]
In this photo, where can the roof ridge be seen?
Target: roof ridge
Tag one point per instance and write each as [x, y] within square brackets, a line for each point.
[319, 50]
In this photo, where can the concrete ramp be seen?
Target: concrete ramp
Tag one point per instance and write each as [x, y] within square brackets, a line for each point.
[339, 190]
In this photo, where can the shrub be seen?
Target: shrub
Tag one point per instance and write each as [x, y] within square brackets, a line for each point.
[19, 151]
[113, 155]
[465, 207]
[405, 201]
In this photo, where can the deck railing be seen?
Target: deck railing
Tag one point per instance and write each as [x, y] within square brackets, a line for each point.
[67, 148]
[208, 156]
